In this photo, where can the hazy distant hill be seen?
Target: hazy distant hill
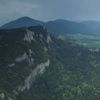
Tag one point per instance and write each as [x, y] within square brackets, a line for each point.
[64, 26]
[57, 26]
[92, 24]
[22, 22]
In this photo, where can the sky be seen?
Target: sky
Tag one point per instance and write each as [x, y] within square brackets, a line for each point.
[45, 10]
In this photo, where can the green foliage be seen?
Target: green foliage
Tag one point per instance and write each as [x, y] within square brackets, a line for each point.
[73, 74]
[87, 40]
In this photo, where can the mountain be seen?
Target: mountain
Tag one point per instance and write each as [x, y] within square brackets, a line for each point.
[59, 26]
[22, 22]
[36, 65]
[23, 56]
[92, 24]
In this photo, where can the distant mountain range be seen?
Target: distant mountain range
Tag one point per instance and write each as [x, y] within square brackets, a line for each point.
[58, 26]
[22, 22]
[64, 26]
[92, 24]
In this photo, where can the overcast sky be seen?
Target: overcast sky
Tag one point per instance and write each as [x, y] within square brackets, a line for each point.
[49, 9]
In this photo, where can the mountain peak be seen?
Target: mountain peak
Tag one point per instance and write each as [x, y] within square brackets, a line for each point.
[25, 18]
[22, 22]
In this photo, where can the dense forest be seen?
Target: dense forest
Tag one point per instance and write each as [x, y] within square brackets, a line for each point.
[37, 65]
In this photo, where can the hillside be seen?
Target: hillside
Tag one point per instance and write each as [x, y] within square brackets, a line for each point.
[22, 22]
[92, 24]
[35, 65]
[59, 26]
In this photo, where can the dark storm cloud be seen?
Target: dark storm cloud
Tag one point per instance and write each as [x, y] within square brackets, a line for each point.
[50, 9]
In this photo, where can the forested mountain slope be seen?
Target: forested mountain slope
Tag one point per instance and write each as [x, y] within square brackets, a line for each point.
[35, 65]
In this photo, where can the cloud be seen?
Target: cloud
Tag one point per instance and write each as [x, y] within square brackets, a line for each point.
[49, 9]
[18, 7]
[11, 9]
